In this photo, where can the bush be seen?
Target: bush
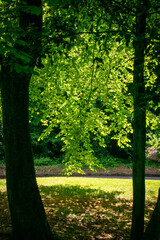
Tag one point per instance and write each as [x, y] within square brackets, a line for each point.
[111, 162]
[112, 149]
[42, 162]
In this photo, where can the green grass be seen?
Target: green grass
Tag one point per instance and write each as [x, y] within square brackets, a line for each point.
[2, 185]
[86, 208]
[93, 187]
[97, 187]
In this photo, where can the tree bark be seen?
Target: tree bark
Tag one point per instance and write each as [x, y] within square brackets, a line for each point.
[153, 227]
[139, 125]
[26, 208]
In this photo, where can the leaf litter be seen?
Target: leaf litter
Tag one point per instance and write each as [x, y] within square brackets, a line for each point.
[81, 217]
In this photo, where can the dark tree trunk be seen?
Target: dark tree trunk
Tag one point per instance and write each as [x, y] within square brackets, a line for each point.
[27, 212]
[139, 125]
[26, 208]
[153, 227]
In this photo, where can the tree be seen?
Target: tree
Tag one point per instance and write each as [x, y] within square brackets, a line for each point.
[21, 49]
[19, 55]
[139, 124]
[70, 90]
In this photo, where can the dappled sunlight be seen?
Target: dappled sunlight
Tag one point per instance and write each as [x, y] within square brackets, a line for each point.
[89, 209]
[2, 185]
[77, 190]
[5, 221]
[88, 215]
[84, 213]
[123, 186]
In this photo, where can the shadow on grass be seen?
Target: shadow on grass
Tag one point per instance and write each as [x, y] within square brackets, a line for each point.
[75, 212]
[81, 213]
[77, 190]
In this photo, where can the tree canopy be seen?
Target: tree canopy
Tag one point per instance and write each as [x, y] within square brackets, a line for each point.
[93, 71]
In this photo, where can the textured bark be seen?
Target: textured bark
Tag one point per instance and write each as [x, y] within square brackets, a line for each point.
[139, 126]
[153, 227]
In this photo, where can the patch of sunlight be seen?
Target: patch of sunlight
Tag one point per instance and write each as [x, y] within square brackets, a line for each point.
[2, 185]
[83, 186]
[122, 188]
[152, 187]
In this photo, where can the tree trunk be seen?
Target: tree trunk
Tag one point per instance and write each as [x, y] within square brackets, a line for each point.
[27, 212]
[153, 227]
[26, 208]
[139, 125]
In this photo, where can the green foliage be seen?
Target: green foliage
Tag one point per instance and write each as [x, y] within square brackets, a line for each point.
[49, 147]
[153, 130]
[152, 163]
[153, 140]
[18, 36]
[83, 89]
[42, 162]
[47, 162]
[86, 98]
[112, 162]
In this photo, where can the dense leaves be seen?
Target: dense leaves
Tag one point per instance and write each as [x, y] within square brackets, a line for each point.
[85, 95]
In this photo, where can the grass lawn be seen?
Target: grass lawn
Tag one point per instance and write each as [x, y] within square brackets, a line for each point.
[86, 208]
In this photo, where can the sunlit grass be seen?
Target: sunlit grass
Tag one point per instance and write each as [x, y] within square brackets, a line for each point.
[2, 185]
[95, 186]
[123, 186]
[86, 208]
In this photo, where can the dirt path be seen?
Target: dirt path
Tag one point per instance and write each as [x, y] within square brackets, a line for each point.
[46, 171]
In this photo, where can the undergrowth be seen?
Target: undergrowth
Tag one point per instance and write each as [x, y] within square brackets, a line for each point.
[106, 162]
